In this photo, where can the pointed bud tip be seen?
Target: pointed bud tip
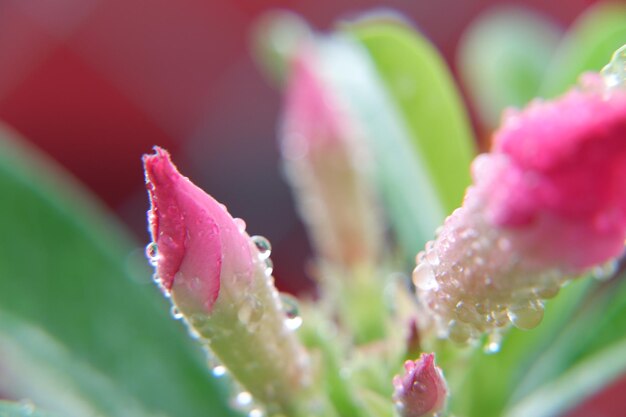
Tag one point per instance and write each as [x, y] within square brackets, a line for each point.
[165, 218]
[422, 390]
[184, 223]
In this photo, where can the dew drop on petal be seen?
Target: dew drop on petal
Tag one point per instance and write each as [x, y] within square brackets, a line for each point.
[424, 278]
[263, 246]
[255, 412]
[241, 224]
[250, 312]
[175, 313]
[459, 332]
[292, 311]
[526, 316]
[605, 272]
[152, 253]
[243, 399]
[218, 371]
[493, 343]
[269, 267]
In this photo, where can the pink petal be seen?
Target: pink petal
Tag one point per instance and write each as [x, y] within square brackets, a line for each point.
[562, 177]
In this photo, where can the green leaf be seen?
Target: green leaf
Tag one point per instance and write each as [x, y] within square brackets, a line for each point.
[503, 57]
[600, 322]
[587, 46]
[424, 93]
[67, 268]
[580, 382]
[24, 409]
[34, 363]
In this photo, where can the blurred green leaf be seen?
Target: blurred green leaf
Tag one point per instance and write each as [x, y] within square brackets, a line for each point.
[587, 46]
[503, 57]
[414, 209]
[424, 93]
[10, 409]
[35, 364]
[600, 322]
[578, 383]
[68, 268]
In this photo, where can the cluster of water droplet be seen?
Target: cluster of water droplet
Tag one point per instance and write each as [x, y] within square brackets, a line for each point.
[473, 279]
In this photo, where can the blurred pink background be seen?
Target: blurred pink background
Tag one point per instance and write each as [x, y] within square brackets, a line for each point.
[96, 83]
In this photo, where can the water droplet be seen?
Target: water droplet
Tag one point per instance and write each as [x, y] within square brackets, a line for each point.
[484, 307]
[504, 244]
[292, 311]
[263, 245]
[526, 316]
[152, 253]
[175, 312]
[256, 412]
[218, 371]
[465, 312]
[241, 224]
[269, 267]
[243, 399]
[494, 341]
[605, 272]
[424, 278]
[432, 257]
[459, 332]
[614, 73]
[250, 312]
[547, 291]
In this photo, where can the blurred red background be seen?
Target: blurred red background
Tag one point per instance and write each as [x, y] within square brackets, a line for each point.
[96, 83]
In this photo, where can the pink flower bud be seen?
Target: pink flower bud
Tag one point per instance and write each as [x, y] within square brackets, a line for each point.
[422, 390]
[327, 166]
[548, 203]
[192, 233]
[220, 283]
[560, 178]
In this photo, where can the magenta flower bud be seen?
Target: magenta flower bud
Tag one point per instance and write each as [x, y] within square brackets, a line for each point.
[548, 203]
[422, 390]
[327, 165]
[220, 284]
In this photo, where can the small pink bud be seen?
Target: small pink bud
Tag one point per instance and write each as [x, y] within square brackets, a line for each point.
[422, 390]
[548, 203]
[327, 165]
